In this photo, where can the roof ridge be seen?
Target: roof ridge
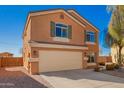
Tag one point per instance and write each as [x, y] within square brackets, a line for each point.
[83, 18]
[52, 10]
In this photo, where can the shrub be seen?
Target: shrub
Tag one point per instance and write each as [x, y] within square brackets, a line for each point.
[110, 67]
[102, 63]
[116, 66]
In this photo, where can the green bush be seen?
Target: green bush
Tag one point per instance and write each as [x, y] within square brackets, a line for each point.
[110, 67]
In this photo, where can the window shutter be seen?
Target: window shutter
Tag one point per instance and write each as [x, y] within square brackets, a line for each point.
[52, 26]
[70, 32]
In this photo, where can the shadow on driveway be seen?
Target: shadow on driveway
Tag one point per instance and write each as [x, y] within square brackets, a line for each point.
[17, 79]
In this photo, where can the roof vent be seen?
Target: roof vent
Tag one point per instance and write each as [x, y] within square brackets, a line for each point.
[62, 16]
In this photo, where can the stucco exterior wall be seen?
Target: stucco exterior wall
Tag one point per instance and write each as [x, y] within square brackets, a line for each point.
[88, 27]
[33, 67]
[37, 49]
[41, 26]
[26, 47]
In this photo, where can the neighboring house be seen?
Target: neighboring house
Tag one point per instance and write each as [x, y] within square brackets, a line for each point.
[57, 40]
[6, 54]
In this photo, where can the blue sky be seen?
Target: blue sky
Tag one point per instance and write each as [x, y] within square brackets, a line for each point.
[13, 18]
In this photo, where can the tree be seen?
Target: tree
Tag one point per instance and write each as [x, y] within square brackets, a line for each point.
[115, 35]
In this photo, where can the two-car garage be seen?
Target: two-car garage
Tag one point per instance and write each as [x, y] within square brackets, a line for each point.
[56, 60]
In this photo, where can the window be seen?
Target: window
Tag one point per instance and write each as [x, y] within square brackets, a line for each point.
[90, 36]
[61, 30]
[91, 57]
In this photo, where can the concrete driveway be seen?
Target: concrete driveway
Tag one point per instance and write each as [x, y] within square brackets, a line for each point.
[82, 79]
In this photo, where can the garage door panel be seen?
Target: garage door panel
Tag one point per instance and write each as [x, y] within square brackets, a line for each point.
[59, 60]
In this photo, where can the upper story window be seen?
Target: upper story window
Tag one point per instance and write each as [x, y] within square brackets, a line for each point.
[61, 30]
[90, 36]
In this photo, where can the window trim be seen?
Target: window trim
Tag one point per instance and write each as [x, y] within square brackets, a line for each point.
[90, 41]
[61, 39]
[61, 31]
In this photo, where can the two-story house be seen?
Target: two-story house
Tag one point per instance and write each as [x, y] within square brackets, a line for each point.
[55, 40]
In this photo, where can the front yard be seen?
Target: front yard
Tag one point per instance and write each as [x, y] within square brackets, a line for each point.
[16, 77]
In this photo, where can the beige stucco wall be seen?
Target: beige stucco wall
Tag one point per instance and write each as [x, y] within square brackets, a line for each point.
[26, 47]
[33, 67]
[41, 26]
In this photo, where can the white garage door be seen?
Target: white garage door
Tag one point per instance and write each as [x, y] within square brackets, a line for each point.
[55, 60]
